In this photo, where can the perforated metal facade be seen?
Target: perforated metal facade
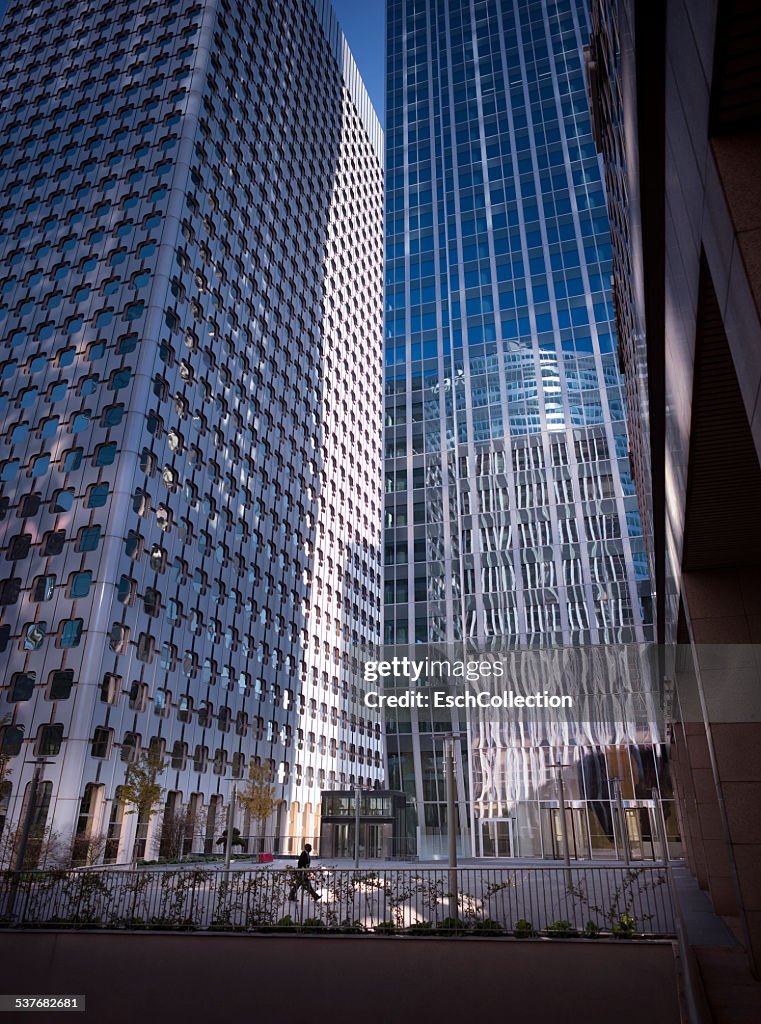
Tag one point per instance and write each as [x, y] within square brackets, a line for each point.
[191, 253]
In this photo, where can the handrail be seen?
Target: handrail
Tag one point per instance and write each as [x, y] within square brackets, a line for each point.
[691, 991]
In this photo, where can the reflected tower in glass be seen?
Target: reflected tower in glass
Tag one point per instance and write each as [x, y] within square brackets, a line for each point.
[511, 519]
[190, 390]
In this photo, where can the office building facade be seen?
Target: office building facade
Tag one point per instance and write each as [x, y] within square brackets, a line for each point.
[676, 94]
[511, 519]
[191, 376]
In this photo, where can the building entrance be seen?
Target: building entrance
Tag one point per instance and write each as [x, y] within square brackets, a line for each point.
[370, 840]
[639, 832]
[497, 837]
[642, 835]
[552, 831]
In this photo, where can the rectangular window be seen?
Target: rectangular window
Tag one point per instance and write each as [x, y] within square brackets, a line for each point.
[89, 538]
[22, 686]
[101, 742]
[130, 746]
[70, 633]
[79, 585]
[11, 738]
[61, 683]
[44, 586]
[53, 543]
[10, 590]
[49, 740]
[110, 688]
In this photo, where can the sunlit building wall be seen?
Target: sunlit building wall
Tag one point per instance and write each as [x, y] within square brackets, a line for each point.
[190, 390]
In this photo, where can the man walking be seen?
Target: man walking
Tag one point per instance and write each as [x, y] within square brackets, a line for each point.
[302, 875]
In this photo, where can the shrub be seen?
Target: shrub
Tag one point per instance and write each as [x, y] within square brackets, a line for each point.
[421, 928]
[385, 928]
[523, 929]
[284, 924]
[488, 927]
[451, 926]
[348, 927]
[561, 930]
[625, 927]
[591, 930]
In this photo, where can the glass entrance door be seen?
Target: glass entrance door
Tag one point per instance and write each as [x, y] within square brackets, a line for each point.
[343, 840]
[497, 837]
[370, 840]
[641, 833]
[576, 829]
[373, 840]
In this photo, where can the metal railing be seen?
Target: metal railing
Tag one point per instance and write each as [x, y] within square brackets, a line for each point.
[524, 900]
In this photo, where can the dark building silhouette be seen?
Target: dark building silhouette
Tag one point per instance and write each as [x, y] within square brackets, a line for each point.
[676, 101]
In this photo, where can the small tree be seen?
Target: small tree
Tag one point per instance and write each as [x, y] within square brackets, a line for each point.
[178, 829]
[44, 848]
[87, 849]
[142, 793]
[258, 795]
[5, 789]
[6, 847]
[5, 769]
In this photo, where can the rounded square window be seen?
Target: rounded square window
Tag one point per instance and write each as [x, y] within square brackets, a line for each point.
[63, 501]
[70, 633]
[34, 635]
[80, 584]
[97, 496]
[22, 686]
[61, 682]
[89, 538]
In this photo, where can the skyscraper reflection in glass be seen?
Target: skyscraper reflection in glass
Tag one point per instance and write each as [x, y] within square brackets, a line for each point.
[510, 513]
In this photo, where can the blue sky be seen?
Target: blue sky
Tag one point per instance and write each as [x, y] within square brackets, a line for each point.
[364, 25]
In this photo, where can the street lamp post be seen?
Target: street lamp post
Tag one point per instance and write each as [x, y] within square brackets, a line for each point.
[31, 810]
[229, 835]
[449, 769]
[560, 787]
[621, 814]
[357, 813]
[26, 828]
[660, 824]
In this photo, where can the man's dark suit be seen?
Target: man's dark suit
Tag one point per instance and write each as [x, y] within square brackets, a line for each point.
[302, 877]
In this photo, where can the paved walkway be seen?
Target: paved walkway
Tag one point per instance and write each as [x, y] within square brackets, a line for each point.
[732, 994]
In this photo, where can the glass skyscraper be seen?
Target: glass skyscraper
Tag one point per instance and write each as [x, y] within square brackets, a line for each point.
[510, 514]
[190, 398]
